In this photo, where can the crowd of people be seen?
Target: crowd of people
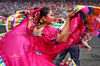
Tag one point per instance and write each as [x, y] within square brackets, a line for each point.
[59, 7]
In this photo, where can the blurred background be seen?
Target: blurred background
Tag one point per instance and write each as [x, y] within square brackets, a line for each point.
[60, 9]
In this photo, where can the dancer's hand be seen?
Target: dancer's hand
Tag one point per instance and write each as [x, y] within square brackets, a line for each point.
[72, 14]
[29, 16]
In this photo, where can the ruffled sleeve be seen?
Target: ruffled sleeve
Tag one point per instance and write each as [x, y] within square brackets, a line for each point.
[51, 33]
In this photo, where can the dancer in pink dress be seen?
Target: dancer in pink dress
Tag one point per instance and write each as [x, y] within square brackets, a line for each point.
[35, 44]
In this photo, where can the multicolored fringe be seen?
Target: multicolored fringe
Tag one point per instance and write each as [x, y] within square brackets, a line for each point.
[2, 35]
[83, 43]
[1, 62]
[16, 19]
[91, 18]
[68, 62]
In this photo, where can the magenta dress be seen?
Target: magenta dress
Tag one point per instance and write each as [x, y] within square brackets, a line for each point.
[15, 46]
[20, 47]
[45, 48]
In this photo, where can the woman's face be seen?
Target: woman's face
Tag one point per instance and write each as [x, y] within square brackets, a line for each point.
[49, 18]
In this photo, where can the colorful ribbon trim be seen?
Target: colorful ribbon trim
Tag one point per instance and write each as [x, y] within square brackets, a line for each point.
[17, 18]
[91, 18]
[68, 61]
[1, 62]
[2, 35]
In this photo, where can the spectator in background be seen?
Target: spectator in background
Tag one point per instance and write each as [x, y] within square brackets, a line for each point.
[10, 7]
